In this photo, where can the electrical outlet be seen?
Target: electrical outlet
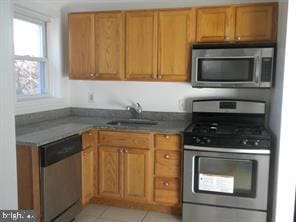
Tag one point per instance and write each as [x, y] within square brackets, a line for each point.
[181, 104]
[91, 97]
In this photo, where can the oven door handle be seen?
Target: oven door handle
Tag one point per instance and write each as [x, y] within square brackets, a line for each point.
[227, 150]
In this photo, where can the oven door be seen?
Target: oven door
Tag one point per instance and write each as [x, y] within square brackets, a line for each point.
[226, 67]
[226, 179]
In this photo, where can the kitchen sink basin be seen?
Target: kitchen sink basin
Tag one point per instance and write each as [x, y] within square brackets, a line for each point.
[127, 122]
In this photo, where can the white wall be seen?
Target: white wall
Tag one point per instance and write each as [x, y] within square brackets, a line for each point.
[8, 178]
[152, 96]
[286, 178]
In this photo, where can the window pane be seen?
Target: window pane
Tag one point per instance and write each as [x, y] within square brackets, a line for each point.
[28, 38]
[29, 78]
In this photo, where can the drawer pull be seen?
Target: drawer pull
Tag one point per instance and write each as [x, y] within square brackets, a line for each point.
[167, 156]
[166, 184]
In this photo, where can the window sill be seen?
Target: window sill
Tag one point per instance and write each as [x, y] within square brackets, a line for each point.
[38, 104]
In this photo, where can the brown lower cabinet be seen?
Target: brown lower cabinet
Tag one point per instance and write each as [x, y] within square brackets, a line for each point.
[125, 173]
[139, 170]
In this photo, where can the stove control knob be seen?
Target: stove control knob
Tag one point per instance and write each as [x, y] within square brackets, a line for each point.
[256, 143]
[245, 142]
[197, 140]
[207, 141]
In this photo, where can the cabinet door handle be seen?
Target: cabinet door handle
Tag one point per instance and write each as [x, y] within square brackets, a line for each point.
[167, 156]
[166, 184]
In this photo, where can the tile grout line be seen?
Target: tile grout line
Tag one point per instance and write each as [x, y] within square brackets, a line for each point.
[145, 216]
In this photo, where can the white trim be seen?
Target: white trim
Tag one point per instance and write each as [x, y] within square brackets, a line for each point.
[37, 16]
[47, 85]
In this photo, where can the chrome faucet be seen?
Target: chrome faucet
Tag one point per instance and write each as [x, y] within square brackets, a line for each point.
[135, 110]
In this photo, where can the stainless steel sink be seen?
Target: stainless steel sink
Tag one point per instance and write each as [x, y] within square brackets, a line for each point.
[125, 122]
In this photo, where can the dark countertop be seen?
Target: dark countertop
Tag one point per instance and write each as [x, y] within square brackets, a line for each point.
[44, 132]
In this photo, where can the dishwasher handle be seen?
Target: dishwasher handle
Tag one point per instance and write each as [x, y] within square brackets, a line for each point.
[59, 150]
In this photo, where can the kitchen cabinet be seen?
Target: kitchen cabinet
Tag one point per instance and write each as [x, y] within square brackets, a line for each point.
[141, 45]
[88, 165]
[137, 175]
[237, 23]
[167, 180]
[109, 45]
[125, 166]
[176, 34]
[215, 24]
[256, 22]
[87, 168]
[110, 172]
[81, 46]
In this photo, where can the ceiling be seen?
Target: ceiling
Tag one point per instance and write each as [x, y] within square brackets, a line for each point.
[53, 8]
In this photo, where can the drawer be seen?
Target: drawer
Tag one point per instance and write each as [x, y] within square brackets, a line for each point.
[125, 139]
[165, 183]
[168, 141]
[88, 139]
[167, 191]
[168, 163]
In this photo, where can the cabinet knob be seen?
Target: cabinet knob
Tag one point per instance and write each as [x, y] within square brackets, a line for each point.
[166, 184]
[238, 38]
[84, 153]
[160, 77]
[90, 134]
[125, 151]
[121, 150]
[226, 38]
[167, 136]
[92, 75]
[167, 156]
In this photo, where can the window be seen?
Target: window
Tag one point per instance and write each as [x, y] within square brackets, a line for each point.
[30, 61]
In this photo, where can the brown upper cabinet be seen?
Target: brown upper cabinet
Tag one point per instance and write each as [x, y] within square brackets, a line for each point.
[109, 48]
[255, 22]
[141, 45]
[176, 33]
[81, 46]
[215, 24]
[155, 45]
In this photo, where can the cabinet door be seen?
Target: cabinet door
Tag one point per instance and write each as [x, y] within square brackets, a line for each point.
[215, 24]
[81, 46]
[109, 30]
[87, 175]
[176, 33]
[255, 22]
[141, 45]
[137, 175]
[110, 172]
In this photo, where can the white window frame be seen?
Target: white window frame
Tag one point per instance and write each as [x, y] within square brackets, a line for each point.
[43, 23]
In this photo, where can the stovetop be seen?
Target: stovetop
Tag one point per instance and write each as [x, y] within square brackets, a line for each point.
[227, 135]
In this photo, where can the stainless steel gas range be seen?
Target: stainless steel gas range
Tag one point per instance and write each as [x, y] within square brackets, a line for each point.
[226, 162]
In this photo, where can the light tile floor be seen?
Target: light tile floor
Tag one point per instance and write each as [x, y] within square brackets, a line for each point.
[102, 213]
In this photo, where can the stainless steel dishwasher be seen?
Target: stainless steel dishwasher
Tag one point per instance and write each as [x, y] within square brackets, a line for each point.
[61, 179]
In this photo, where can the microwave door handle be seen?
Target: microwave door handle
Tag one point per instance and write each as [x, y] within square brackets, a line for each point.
[257, 70]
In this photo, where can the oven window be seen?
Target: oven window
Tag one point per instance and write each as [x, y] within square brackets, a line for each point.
[225, 69]
[225, 176]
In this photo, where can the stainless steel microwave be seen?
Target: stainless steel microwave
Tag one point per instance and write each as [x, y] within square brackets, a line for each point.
[233, 66]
